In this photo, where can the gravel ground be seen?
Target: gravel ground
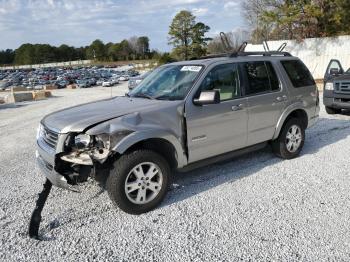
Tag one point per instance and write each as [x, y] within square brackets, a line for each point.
[255, 207]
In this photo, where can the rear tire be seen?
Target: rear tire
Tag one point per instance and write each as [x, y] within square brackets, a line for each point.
[290, 142]
[332, 111]
[138, 181]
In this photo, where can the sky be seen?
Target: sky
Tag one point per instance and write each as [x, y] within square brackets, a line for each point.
[79, 22]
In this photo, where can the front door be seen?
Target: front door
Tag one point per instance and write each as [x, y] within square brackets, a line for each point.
[217, 128]
[334, 69]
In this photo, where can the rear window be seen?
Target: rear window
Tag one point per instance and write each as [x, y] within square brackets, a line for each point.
[298, 73]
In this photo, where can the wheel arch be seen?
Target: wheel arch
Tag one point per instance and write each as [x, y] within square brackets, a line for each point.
[293, 112]
[161, 142]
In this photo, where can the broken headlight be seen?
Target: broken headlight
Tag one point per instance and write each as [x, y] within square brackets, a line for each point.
[82, 140]
[109, 141]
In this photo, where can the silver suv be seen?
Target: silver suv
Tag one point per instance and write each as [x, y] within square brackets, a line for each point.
[183, 115]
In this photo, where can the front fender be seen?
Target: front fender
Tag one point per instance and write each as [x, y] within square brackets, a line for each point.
[285, 114]
[143, 135]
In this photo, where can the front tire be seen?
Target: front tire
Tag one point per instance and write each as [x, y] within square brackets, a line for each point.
[290, 142]
[332, 111]
[138, 181]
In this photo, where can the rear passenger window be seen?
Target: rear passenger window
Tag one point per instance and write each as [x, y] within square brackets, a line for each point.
[298, 73]
[262, 78]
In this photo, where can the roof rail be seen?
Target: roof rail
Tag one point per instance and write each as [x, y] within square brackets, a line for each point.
[268, 53]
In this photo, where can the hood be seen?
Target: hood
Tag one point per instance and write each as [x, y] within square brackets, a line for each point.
[343, 77]
[81, 117]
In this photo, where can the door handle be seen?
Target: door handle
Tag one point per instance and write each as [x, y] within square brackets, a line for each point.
[281, 98]
[237, 107]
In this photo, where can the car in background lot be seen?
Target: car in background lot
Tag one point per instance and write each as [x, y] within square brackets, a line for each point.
[61, 77]
[183, 115]
[134, 81]
[336, 95]
[107, 83]
[124, 78]
[4, 85]
[82, 83]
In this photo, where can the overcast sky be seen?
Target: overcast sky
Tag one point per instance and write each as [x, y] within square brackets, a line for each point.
[79, 22]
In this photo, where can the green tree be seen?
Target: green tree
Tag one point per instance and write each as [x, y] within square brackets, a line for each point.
[187, 36]
[24, 55]
[96, 50]
[297, 19]
[143, 46]
[125, 50]
[165, 58]
[7, 57]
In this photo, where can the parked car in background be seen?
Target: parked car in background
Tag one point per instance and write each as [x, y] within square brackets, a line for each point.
[82, 83]
[336, 95]
[107, 83]
[134, 81]
[83, 76]
[124, 78]
[4, 85]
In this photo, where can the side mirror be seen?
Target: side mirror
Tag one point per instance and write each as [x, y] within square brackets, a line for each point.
[207, 98]
[334, 71]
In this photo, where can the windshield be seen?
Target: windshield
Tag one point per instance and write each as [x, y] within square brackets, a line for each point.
[170, 82]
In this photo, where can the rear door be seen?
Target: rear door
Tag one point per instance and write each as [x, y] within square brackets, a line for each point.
[266, 100]
[217, 128]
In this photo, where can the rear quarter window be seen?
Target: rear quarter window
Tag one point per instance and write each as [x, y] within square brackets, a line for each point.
[298, 73]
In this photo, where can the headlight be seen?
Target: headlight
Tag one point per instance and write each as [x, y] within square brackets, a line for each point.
[329, 86]
[82, 140]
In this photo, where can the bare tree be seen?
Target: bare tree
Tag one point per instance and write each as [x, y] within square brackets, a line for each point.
[133, 44]
[235, 39]
[252, 11]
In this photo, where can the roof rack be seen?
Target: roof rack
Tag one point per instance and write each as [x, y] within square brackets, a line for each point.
[267, 53]
[240, 51]
[243, 53]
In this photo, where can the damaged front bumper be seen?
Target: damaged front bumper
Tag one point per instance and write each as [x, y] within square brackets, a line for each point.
[45, 158]
[67, 169]
[54, 177]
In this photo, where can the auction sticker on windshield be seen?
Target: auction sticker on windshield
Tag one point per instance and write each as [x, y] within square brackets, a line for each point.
[191, 68]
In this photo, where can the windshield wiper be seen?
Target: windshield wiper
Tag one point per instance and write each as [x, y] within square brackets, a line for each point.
[142, 95]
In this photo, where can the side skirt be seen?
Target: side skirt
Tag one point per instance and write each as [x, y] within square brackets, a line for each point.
[223, 157]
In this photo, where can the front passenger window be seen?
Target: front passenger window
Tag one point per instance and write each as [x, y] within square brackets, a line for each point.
[225, 79]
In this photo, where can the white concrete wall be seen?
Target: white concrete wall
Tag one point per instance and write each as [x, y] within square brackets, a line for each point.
[70, 63]
[315, 52]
